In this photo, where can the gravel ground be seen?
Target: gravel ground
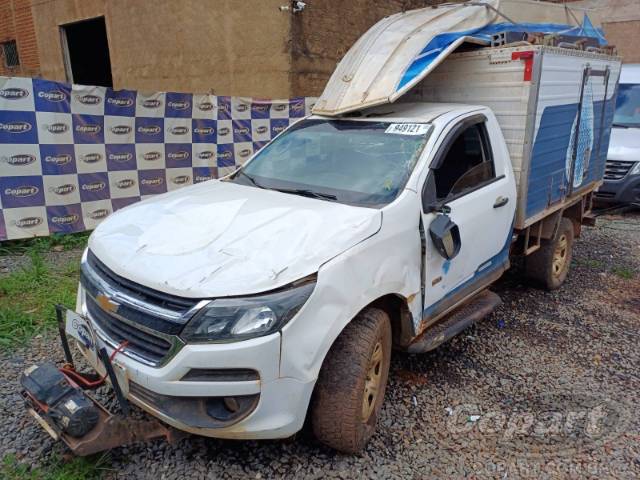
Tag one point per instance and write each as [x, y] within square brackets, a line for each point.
[545, 387]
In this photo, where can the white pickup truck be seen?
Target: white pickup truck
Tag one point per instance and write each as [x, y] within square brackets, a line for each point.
[252, 302]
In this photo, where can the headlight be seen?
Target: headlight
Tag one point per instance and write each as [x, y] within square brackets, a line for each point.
[636, 169]
[230, 319]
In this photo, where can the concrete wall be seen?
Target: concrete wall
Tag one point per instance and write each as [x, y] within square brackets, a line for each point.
[16, 24]
[323, 32]
[223, 46]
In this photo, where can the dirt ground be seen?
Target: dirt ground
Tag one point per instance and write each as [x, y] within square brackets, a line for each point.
[546, 387]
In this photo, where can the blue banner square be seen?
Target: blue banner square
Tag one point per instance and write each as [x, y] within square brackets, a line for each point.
[18, 127]
[296, 107]
[93, 186]
[65, 218]
[57, 159]
[226, 157]
[121, 157]
[241, 131]
[260, 109]
[178, 105]
[152, 182]
[149, 130]
[118, 203]
[202, 174]
[278, 125]
[88, 128]
[258, 145]
[26, 191]
[177, 155]
[51, 96]
[224, 108]
[120, 102]
[203, 131]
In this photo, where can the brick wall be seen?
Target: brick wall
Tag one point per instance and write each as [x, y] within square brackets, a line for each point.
[16, 23]
[323, 33]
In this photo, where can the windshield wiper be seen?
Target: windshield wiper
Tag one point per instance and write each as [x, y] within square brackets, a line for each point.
[307, 193]
[626, 125]
[250, 178]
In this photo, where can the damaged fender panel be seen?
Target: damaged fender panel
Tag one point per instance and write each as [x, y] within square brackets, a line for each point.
[387, 263]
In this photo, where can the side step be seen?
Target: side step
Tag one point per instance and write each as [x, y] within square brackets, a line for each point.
[475, 309]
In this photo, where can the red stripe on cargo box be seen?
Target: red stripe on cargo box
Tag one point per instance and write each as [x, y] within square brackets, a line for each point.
[528, 63]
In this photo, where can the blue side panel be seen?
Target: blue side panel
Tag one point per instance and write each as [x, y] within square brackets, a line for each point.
[548, 158]
[552, 150]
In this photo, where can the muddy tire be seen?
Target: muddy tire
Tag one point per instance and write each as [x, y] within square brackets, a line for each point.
[548, 267]
[350, 389]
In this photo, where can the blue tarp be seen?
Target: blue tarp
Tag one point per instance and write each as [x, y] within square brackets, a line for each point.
[440, 43]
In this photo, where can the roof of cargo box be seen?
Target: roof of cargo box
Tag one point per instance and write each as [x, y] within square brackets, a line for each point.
[402, 49]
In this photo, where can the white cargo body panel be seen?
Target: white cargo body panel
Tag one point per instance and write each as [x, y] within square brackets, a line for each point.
[544, 99]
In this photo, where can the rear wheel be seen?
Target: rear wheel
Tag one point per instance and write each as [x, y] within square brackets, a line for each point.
[549, 265]
[350, 389]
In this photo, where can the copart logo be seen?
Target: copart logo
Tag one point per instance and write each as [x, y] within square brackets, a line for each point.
[125, 183]
[120, 129]
[120, 102]
[57, 128]
[181, 179]
[206, 155]
[205, 106]
[262, 129]
[278, 129]
[202, 178]
[28, 222]
[260, 108]
[88, 129]
[22, 191]
[20, 159]
[99, 214]
[179, 130]
[244, 153]
[203, 130]
[15, 127]
[60, 159]
[64, 189]
[151, 156]
[91, 157]
[120, 157]
[94, 186]
[83, 333]
[181, 155]
[224, 131]
[242, 107]
[88, 99]
[225, 155]
[65, 219]
[53, 96]
[179, 105]
[13, 93]
[151, 103]
[241, 131]
[149, 130]
[561, 424]
[152, 182]
[280, 107]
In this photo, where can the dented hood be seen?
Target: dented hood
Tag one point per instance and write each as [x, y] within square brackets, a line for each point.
[398, 52]
[219, 239]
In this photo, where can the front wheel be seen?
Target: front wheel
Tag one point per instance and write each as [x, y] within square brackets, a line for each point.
[549, 265]
[350, 389]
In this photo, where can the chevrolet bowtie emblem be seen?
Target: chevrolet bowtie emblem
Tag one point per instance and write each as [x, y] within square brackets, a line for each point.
[106, 303]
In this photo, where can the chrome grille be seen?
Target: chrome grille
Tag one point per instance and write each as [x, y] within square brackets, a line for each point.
[123, 310]
[617, 169]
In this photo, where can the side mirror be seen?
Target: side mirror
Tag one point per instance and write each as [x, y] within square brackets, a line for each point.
[445, 236]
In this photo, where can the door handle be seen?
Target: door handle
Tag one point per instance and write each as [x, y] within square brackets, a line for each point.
[501, 202]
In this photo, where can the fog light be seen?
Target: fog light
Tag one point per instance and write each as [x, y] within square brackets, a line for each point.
[226, 409]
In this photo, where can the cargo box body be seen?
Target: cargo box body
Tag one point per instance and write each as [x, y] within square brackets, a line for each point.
[554, 106]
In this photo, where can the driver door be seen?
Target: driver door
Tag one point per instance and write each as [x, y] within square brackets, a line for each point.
[472, 183]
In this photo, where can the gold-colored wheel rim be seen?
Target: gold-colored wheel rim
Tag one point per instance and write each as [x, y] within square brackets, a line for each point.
[372, 383]
[560, 255]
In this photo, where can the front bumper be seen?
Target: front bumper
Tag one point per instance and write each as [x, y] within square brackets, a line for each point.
[624, 191]
[278, 412]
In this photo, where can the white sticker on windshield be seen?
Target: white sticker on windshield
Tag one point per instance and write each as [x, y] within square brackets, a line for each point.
[408, 128]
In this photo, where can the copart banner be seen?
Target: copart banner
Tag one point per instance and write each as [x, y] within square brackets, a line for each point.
[70, 155]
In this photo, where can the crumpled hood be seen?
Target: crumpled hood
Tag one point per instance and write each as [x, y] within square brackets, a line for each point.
[624, 144]
[219, 239]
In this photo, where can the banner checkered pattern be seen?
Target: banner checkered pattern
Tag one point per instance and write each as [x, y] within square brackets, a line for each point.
[71, 154]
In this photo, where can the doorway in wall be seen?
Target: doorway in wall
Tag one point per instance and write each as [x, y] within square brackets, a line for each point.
[86, 52]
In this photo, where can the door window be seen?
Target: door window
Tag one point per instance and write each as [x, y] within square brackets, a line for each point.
[467, 164]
